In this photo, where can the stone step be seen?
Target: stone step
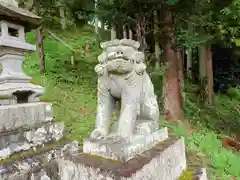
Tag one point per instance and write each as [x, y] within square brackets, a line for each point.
[164, 161]
[26, 115]
[19, 141]
[117, 148]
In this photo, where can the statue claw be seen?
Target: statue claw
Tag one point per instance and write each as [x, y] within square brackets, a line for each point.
[98, 134]
[99, 70]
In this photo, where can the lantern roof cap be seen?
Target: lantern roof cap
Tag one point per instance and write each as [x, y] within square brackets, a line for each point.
[10, 11]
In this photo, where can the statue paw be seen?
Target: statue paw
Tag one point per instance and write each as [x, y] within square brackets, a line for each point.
[99, 70]
[98, 134]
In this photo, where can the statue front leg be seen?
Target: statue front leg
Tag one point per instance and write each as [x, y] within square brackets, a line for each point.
[128, 113]
[105, 109]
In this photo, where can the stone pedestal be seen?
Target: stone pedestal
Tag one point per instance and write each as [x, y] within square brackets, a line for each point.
[143, 156]
[123, 149]
[166, 161]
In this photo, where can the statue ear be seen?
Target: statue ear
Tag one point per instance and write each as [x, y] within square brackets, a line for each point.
[139, 57]
[140, 68]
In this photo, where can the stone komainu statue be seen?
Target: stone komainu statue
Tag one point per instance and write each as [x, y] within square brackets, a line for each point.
[122, 77]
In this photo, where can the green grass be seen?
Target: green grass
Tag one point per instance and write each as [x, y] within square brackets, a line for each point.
[72, 91]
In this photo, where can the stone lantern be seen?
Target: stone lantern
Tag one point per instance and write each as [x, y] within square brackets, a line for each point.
[14, 83]
[25, 122]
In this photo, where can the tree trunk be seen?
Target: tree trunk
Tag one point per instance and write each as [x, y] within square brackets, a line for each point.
[157, 48]
[124, 32]
[189, 63]
[180, 74]
[102, 25]
[96, 20]
[96, 26]
[39, 34]
[209, 72]
[172, 105]
[202, 71]
[130, 33]
[189, 55]
[113, 33]
[62, 17]
[41, 49]
[140, 32]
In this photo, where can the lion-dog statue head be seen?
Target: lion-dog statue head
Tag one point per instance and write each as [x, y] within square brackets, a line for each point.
[121, 57]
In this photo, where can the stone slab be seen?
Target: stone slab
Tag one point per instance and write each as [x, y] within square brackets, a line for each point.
[25, 140]
[9, 2]
[24, 115]
[7, 89]
[165, 161]
[15, 43]
[124, 149]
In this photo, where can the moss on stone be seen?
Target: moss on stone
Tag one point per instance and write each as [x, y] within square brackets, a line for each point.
[187, 175]
[33, 152]
[102, 157]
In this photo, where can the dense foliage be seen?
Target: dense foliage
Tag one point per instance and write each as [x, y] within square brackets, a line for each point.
[193, 36]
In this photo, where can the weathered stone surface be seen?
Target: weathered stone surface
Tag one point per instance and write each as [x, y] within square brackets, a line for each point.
[38, 166]
[24, 140]
[142, 127]
[9, 2]
[16, 40]
[9, 10]
[13, 81]
[123, 149]
[122, 77]
[26, 115]
[164, 161]
[4, 41]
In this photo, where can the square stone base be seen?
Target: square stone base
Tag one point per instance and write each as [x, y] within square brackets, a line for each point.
[164, 161]
[121, 149]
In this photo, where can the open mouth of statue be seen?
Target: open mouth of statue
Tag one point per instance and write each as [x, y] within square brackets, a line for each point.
[120, 59]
